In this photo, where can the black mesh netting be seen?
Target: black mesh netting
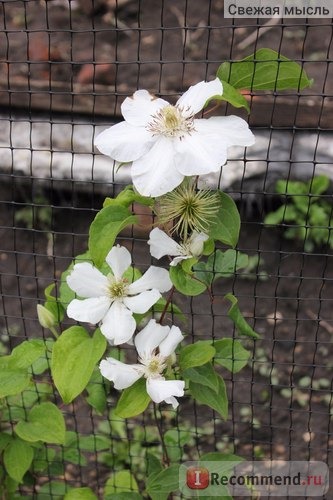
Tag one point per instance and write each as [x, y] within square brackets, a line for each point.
[65, 68]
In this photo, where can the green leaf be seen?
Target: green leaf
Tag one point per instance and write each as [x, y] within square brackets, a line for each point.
[97, 392]
[17, 458]
[319, 184]
[240, 322]
[264, 70]
[133, 400]
[215, 456]
[226, 225]
[12, 381]
[44, 362]
[175, 440]
[204, 375]
[233, 96]
[165, 481]
[185, 283]
[106, 226]
[216, 400]
[74, 358]
[25, 354]
[129, 495]
[128, 196]
[38, 425]
[80, 494]
[220, 265]
[121, 482]
[153, 464]
[231, 354]
[43, 457]
[4, 440]
[195, 354]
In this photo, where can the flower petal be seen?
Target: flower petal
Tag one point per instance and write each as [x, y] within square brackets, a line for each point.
[172, 401]
[161, 244]
[124, 142]
[86, 280]
[119, 373]
[119, 259]
[176, 260]
[154, 277]
[232, 130]
[161, 390]
[118, 324]
[150, 338]
[155, 173]
[90, 310]
[196, 243]
[142, 302]
[194, 99]
[201, 152]
[169, 344]
[138, 109]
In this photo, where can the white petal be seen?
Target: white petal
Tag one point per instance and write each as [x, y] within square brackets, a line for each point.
[176, 260]
[124, 142]
[232, 130]
[194, 99]
[138, 109]
[142, 302]
[155, 173]
[150, 338]
[169, 344]
[154, 277]
[119, 373]
[161, 244]
[196, 243]
[118, 325]
[172, 401]
[90, 310]
[87, 281]
[119, 259]
[200, 153]
[161, 390]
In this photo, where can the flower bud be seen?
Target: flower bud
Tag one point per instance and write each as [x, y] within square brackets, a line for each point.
[45, 317]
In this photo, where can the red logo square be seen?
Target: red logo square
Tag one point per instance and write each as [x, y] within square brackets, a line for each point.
[197, 478]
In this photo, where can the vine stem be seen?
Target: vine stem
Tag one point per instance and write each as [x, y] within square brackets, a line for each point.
[167, 304]
[166, 459]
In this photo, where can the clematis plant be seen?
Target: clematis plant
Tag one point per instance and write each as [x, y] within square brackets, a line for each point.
[168, 148]
[157, 133]
[154, 344]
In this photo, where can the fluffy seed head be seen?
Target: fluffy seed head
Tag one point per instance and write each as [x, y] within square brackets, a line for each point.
[187, 209]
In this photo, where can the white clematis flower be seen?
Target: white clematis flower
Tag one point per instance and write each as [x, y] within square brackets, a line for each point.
[111, 300]
[165, 143]
[161, 244]
[154, 344]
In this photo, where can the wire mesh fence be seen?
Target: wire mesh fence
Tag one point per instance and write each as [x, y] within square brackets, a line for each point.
[65, 68]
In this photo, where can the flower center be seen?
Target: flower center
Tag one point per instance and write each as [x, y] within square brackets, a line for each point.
[117, 289]
[154, 366]
[170, 122]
